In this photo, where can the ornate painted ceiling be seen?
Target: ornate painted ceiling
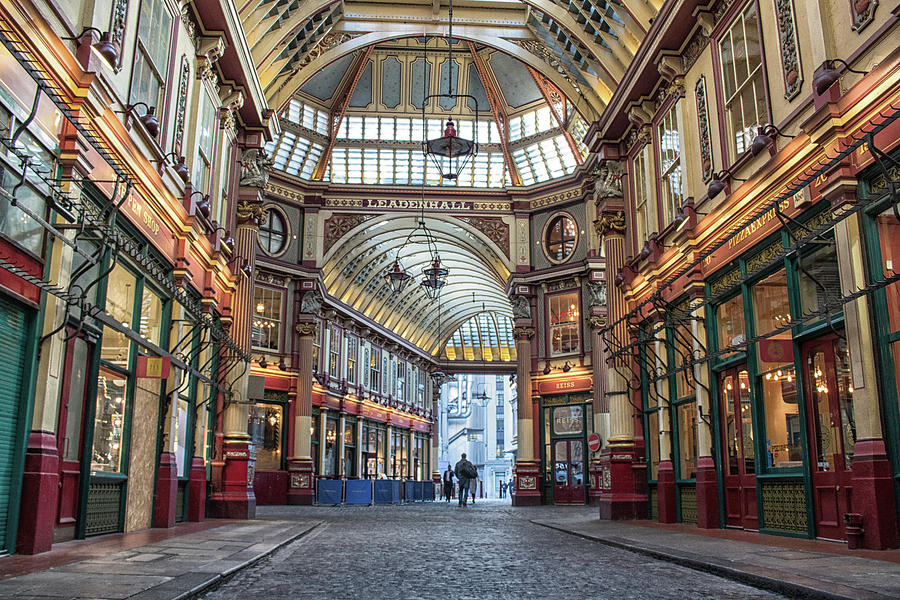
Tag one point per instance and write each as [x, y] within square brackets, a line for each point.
[348, 80]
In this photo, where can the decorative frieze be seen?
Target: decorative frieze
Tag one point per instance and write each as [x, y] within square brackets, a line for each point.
[338, 225]
[862, 12]
[695, 47]
[611, 222]
[638, 136]
[494, 228]
[247, 212]
[270, 278]
[706, 158]
[790, 51]
[725, 282]
[117, 26]
[557, 198]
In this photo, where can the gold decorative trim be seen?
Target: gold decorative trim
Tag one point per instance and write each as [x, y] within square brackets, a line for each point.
[784, 506]
[726, 281]
[523, 332]
[306, 329]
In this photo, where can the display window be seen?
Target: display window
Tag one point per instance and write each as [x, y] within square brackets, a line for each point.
[686, 419]
[109, 422]
[564, 324]
[265, 332]
[330, 466]
[730, 324]
[266, 431]
[348, 467]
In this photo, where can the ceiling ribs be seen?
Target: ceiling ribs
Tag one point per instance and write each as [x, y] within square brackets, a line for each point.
[339, 109]
[500, 115]
[547, 91]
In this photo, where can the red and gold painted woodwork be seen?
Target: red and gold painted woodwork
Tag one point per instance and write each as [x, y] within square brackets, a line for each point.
[527, 488]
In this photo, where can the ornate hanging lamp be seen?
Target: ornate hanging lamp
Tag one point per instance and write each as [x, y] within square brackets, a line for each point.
[450, 153]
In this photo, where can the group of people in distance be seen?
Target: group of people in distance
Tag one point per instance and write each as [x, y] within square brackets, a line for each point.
[467, 476]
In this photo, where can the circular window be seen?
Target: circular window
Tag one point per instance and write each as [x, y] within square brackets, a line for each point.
[561, 238]
[273, 235]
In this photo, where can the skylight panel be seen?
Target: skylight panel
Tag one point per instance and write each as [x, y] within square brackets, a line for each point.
[354, 165]
[529, 124]
[294, 111]
[417, 130]
[401, 167]
[342, 130]
[312, 159]
[495, 133]
[339, 165]
[402, 131]
[544, 119]
[370, 165]
[354, 128]
[387, 129]
[386, 166]
[322, 122]
[309, 117]
[515, 129]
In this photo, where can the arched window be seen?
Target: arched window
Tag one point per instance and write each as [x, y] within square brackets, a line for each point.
[273, 235]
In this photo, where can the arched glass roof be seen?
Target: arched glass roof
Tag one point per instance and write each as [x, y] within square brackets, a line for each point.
[485, 337]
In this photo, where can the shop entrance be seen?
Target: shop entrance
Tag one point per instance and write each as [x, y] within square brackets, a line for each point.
[740, 465]
[832, 431]
[568, 472]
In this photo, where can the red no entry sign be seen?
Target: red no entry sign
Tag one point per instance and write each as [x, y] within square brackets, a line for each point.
[594, 442]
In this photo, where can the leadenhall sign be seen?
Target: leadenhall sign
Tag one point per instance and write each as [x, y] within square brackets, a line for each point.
[418, 204]
[578, 383]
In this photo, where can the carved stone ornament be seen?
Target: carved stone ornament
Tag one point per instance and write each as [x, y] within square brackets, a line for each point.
[597, 321]
[597, 291]
[181, 105]
[250, 211]
[790, 52]
[611, 222]
[311, 302]
[862, 12]
[608, 180]
[209, 50]
[549, 56]
[304, 329]
[521, 307]
[255, 166]
[523, 333]
[117, 26]
[706, 158]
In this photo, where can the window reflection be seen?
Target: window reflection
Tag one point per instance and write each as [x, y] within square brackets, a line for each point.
[109, 422]
[266, 430]
[564, 329]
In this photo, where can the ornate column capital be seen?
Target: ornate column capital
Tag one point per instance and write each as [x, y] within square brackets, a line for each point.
[610, 222]
[597, 321]
[250, 212]
[523, 333]
[306, 328]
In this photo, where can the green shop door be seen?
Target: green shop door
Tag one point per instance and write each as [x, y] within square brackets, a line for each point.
[12, 365]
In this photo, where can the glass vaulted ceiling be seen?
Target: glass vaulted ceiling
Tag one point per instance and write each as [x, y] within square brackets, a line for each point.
[378, 140]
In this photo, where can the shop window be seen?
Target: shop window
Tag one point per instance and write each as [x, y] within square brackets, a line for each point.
[109, 422]
[782, 418]
[684, 352]
[151, 319]
[317, 345]
[651, 439]
[334, 351]
[670, 180]
[686, 416]
[352, 350]
[151, 58]
[887, 262]
[265, 428]
[15, 223]
[568, 420]
[348, 468]
[643, 215]
[730, 324]
[742, 79]
[401, 380]
[120, 293]
[374, 450]
[386, 372]
[329, 468]
[265, 332]
[375, 369]
[273, 233]
[564, 324]
[206, 128]
[561, 238]
[771, 311]
[314, 435]
[820, 282]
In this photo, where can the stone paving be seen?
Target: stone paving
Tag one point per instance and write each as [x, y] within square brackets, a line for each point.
[439, 550]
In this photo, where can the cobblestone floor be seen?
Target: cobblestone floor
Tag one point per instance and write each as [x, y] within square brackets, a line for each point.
[438, 550]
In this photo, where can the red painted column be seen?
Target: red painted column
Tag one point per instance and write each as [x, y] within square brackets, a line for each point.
[164, 510]
[527, 470]
[196, 509]
[40, 491]
[665, 493]
[707, 494]
[301, 490]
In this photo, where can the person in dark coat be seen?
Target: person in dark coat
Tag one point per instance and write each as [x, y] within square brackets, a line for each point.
[448, 483]
[465, 472]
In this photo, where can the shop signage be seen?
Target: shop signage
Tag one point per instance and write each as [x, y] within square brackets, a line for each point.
[594, 442]
[237, 454]
[153, 367]
[569, 384]
[421, 426]
[418, 204]
[149, 224]
[373, 413]
[776, 351]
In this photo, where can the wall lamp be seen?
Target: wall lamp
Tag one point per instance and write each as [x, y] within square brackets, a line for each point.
[245, 267]
[828, 74]
[228, 241]
[765, 135]
[177, 163]
[104, 46]
[148, 119]
[203, 204]
[565, 368]
[263, 363]
[717, 184]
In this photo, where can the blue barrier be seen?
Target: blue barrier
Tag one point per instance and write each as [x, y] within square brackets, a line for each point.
[410, 491]
[384, 491]
[397, 490]
[359, 491]
[418, 491]
[330, 491]
[428, 491]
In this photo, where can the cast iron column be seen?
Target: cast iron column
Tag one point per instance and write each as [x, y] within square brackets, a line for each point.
[300, 466]
[527, 470]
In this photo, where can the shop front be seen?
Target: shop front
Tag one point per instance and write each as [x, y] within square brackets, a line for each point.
[784, 426]
[566, 421]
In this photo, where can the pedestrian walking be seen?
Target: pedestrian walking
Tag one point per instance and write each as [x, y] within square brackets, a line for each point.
[448, 483]
[473, 486]
[465, 472]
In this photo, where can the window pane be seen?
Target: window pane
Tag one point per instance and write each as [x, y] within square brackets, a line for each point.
[120, 291]
[265, 428]
[150, 323]
[109, 420]
[782, 418]
[730, 323]
[687, 440]
[265, 331]
[820, 282]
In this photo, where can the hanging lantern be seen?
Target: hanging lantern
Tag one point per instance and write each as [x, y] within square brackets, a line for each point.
[450, 148]
[435, 278]
[397, 278]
